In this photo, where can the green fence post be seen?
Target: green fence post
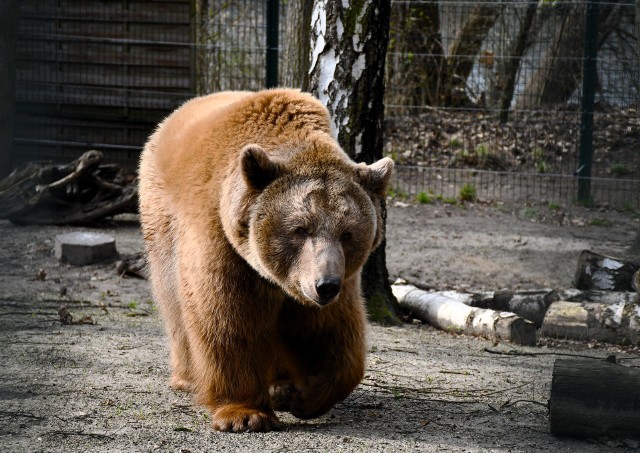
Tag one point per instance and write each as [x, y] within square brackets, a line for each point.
[272, 42]
[588, 96]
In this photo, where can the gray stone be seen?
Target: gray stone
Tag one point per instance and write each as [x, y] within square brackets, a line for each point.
[83, 247]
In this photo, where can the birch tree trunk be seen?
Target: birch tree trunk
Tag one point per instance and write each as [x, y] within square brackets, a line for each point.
[348, 49]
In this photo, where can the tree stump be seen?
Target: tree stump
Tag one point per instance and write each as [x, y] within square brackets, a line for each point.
[593, 398]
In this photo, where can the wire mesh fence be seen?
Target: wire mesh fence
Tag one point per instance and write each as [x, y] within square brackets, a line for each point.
[493, 91]
[488, 94]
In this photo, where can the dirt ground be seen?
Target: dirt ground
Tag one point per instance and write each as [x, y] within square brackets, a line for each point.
[104, 386]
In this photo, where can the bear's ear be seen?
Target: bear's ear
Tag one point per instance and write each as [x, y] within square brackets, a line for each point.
[258, 169]
[375, 178]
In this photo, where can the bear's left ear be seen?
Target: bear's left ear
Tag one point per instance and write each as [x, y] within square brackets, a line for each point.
[258, 169]
[375, 178]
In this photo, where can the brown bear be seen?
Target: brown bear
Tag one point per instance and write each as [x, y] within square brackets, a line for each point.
[257, 226]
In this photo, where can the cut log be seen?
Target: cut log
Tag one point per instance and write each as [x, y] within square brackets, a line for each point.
[594, 398]
[81, 192]
[529, 304]
[603, 272]
[600, 297]
[451, 315]
[612, 323]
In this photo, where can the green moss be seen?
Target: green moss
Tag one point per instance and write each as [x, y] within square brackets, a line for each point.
[351, 16]
[379, 311]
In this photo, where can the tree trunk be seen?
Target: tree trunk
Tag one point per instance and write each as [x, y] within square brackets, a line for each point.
[594, 398]
[296, 44]
[559, 74]
[416, 63]
[468, 43]
[506, 79]
[348, 49]
[454, 316]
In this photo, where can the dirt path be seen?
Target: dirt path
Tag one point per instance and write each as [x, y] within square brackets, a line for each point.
[103, 386]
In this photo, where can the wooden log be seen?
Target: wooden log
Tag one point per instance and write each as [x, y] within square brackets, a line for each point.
[451, 315]
[528, 304]
[603, 272]
[594, 398]
[612, 323]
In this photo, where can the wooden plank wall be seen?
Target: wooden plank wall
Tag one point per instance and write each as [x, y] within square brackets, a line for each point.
[94, 74]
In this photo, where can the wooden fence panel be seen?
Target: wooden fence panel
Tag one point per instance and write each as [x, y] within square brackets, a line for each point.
[94, 74]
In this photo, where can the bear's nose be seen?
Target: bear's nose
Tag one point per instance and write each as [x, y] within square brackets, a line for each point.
[327, 288]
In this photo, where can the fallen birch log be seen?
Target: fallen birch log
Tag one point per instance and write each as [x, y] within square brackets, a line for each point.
[594, 398]
[602, 272]
[451, 315]
[612, 323]
[528, 304]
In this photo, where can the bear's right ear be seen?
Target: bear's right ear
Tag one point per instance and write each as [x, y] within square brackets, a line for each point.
[258, 169]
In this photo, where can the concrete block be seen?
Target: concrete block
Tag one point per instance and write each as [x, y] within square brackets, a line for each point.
[83, 247]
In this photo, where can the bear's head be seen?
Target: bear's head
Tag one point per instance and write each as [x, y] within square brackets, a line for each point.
[309, 222]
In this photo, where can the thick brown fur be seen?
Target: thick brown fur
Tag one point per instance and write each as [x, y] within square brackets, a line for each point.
[257, 226]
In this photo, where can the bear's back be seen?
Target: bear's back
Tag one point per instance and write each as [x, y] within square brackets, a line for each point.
[203, 138]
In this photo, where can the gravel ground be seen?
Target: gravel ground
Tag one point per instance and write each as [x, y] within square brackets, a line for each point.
[103, 385]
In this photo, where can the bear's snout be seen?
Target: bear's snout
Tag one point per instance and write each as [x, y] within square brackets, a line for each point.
[327, 289]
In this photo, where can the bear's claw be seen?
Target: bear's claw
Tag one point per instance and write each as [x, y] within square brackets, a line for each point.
[236, 418]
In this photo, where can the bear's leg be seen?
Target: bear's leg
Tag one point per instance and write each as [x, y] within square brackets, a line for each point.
[232, 366]
[167, 300]
[325, 355]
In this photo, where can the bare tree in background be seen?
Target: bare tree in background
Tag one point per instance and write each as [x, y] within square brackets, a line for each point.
[560, 71]
[467, 46]
[348, 49]
[416, 61]
[504, 86]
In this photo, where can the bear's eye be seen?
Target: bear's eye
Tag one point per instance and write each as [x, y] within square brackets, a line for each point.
[346, 236]
[302, 232]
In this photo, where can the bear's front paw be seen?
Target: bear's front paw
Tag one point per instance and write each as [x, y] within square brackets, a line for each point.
[237, 418]
[180, 383]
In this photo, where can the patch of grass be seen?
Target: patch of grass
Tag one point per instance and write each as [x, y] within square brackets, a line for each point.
[599, 221]
[455, 143]
[397, 194]
[482, 151]
[133, 304]
[449, 200]
[529, 213]
[628, 208]
[539, 161]
[620, 170]
[424, 198]
[468, 193]
[553, 206]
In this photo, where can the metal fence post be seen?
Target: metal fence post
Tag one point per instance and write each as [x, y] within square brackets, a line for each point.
[588, 96]
[272, 42]
[8, 32]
